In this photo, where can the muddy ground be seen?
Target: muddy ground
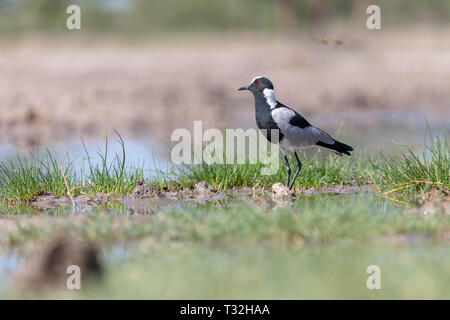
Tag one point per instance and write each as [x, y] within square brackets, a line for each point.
[147, 202]
[58, 89]
[147, 199]
[201, 194]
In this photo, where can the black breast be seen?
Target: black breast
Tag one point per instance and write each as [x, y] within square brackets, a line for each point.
[264, 119]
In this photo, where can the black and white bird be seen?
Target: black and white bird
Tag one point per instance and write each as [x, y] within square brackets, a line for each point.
[294, 131]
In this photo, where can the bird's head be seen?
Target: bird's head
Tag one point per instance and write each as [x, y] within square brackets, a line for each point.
[258, 84]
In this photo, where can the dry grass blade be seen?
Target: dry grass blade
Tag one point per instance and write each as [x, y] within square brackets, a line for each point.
[69, 194]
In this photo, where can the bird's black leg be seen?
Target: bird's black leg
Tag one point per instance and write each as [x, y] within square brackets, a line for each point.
[288, 170]
[299, 167]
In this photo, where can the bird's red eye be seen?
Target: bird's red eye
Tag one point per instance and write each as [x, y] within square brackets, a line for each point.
[256, 81]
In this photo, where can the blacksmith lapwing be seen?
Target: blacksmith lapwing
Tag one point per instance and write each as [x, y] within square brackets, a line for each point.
[294, 131]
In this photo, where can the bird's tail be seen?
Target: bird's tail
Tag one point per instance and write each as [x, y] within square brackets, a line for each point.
[339, 147]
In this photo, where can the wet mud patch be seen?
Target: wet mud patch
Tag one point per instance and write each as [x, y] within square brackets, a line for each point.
[48, 201]
[337, 190]
[151, 199]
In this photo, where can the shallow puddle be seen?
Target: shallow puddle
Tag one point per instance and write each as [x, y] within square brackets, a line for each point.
[129, 206]
[9, 264]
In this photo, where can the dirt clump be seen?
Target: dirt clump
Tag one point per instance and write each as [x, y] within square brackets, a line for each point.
[47, 201]
[172, 185]
[282, 195]
[204, 189]
[53, 263]
[146, 191]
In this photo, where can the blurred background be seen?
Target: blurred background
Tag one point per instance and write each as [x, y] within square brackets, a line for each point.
[146, 67]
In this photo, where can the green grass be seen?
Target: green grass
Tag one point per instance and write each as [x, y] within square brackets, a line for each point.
[27, 177]
[407, 172]
[112, 177]
[317, 171]
[402, 173]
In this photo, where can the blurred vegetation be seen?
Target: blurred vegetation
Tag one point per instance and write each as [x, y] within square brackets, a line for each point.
[175, 16]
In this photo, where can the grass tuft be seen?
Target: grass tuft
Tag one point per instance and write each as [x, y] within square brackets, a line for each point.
[318, 170]
[26, 177]
[112, 177]
[407, 172]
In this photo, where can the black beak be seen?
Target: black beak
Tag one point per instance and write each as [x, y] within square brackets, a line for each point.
[243, 88]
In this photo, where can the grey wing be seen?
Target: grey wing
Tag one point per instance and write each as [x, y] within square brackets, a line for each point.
[296, 130]
[321, 136]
